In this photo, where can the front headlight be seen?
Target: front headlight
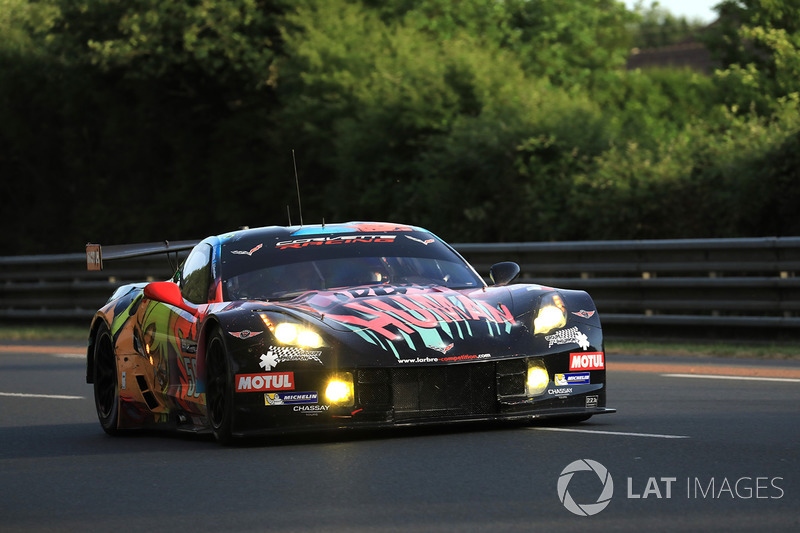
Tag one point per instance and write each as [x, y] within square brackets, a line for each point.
[552, 314]
[291, 333]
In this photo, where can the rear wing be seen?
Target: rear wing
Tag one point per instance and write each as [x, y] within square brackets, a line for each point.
[96, 253]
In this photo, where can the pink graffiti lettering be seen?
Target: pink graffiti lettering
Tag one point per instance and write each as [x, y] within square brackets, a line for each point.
[442, 306]
[428, 319]
[377, 324]
[419, 311]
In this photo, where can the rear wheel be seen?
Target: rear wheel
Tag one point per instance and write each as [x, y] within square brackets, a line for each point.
[219, 389]
[106, 385]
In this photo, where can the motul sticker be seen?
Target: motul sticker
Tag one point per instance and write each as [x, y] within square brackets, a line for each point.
[265, 382]
[586, 361]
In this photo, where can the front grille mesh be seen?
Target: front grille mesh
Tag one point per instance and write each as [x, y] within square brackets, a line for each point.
[373, 389]
[440, 391]
[511, 377]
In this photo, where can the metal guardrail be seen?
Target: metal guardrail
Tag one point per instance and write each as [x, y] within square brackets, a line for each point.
[721, 288]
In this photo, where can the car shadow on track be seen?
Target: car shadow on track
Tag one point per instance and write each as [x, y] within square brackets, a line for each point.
[89, 439]
[354, 435]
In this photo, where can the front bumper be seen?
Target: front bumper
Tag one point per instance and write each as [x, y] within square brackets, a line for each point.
[421, 395]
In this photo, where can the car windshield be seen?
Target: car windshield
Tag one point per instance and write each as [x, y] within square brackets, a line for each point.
[284, 269]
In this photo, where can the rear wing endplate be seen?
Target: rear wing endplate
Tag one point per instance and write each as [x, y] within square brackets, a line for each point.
[96, 253]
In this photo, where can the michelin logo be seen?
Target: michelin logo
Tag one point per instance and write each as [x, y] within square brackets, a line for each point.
[579, 378]
[290, 398]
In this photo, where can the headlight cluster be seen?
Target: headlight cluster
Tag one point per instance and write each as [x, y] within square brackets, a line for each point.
[552, 314]
[291, 333]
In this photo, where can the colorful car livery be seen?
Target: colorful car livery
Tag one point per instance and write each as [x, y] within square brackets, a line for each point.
[356, 325]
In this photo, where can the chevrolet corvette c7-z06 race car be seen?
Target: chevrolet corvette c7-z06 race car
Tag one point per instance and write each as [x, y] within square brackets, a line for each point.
[354, 325]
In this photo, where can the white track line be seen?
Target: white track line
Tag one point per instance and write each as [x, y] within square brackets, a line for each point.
[742, 378]
[70, 355]
[49, 396]
[621, 433]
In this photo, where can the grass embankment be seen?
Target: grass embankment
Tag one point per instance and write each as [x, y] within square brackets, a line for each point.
[738, 350]
[705, 349]
[44, 333]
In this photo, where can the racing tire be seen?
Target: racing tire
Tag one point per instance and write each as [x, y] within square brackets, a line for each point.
[219, 389]
[105, 377]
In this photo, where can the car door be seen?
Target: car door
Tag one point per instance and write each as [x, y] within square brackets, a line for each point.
[170, 335]
[196, 278]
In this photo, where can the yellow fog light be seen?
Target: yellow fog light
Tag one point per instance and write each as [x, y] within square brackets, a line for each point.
[538, 378]
[339, 390]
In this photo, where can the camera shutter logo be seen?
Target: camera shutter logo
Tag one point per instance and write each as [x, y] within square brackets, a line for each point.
[587, 509]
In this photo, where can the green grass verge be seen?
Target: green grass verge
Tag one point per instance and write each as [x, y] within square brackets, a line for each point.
[28, 333]
[706, 349]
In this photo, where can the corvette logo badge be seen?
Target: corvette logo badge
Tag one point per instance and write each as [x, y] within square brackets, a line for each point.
[243, 252]
[442, 349]
[426, 242]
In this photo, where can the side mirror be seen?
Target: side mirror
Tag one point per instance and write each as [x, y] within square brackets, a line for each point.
[168, 293]
[504, 273]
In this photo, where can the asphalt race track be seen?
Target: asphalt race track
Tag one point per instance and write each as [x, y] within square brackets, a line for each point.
[707, 445]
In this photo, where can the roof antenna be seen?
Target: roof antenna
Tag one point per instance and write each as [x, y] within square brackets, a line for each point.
[297, 182]
[289, 214]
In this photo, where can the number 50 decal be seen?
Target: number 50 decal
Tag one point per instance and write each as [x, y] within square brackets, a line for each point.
[191, 375]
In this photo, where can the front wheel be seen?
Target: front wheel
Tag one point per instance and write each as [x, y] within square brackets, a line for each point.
[106, 385]
[219, 389]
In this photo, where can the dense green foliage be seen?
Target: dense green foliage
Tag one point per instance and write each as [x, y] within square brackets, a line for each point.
[483, 120]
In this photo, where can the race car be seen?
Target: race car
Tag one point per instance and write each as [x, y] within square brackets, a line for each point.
[351, 325]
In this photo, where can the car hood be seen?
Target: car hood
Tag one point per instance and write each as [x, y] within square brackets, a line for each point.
[415, 323]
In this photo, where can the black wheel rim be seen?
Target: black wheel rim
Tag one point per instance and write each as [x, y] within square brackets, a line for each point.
[105, 381]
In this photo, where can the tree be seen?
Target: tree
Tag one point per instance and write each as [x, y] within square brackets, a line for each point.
[571, 42]
[759, 42]
[22, 23]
